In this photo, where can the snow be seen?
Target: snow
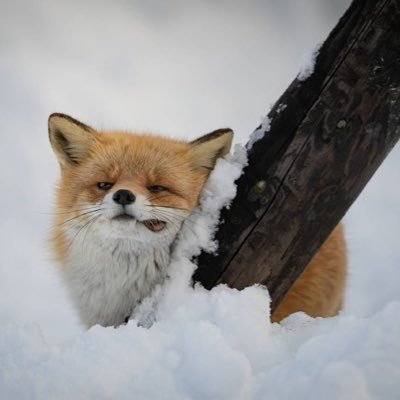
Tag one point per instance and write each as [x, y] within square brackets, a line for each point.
[212, 345]
[259, 132]
[308, 63]
[130, 66]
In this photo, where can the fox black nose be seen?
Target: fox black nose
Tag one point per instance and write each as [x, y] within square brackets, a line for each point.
[124, 197]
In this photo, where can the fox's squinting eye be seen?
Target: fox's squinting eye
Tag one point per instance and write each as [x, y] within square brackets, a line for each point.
[104, 185]
[156, 189]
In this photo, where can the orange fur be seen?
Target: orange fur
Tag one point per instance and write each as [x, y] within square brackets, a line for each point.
[319, 291]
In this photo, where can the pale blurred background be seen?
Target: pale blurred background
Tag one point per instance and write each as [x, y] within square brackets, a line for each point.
[181, 68]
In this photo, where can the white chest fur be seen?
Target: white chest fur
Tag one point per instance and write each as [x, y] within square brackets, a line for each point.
[108, 279]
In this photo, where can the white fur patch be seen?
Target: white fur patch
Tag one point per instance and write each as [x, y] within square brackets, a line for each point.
[114, 264]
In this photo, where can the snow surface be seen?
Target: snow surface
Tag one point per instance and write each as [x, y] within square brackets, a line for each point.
[211, 345]
[153, 67]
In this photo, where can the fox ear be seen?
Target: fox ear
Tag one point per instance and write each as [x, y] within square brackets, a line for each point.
[70, 139]
[208, 148]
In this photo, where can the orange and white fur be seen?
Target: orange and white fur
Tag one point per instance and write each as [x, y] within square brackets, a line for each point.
[121, 201]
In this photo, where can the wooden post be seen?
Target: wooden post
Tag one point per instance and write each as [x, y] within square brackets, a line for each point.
[328, 135]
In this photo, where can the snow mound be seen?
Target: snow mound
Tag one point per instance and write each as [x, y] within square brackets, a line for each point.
[214, 345]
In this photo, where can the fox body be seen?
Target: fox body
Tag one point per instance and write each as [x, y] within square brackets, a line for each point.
[121, 201]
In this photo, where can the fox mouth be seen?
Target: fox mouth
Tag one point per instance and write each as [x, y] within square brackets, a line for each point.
[154, 225]
[124, 217]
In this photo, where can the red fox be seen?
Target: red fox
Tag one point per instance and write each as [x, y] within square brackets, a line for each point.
[121, 201]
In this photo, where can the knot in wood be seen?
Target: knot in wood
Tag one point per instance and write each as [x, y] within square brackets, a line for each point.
[259, 187]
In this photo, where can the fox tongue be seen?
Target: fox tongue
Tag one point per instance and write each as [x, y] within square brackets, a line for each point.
[154, 225]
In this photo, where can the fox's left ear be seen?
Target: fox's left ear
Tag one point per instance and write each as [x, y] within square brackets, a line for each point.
[208, 148]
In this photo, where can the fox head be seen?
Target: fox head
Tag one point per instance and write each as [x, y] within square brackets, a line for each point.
[117, 185]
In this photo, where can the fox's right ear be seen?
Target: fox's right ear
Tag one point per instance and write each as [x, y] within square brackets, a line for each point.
[70, 139]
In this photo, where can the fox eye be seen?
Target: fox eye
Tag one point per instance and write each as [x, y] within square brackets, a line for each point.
[156, 189]
[104, 185]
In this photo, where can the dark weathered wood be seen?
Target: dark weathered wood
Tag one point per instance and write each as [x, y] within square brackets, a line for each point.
[321, 150]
